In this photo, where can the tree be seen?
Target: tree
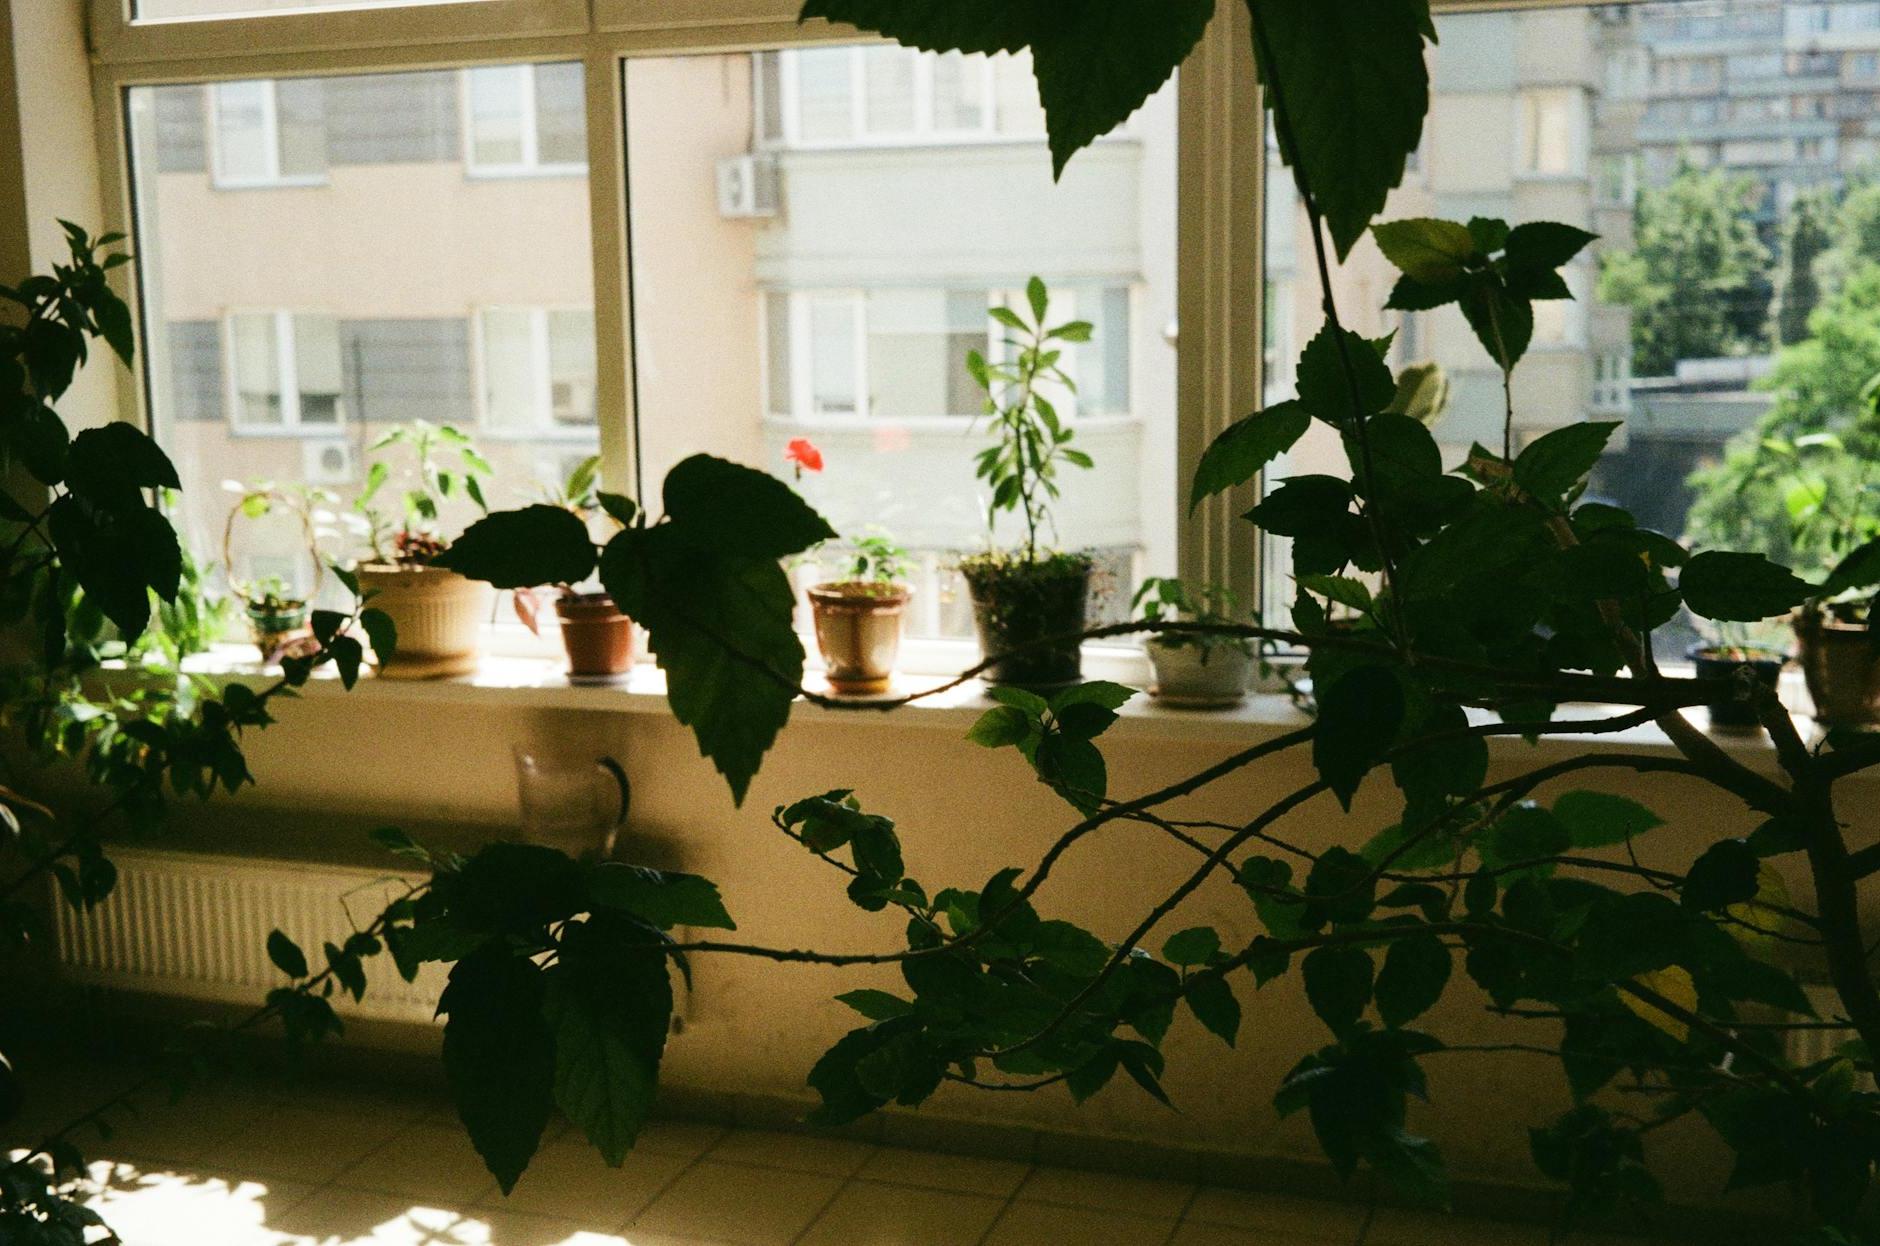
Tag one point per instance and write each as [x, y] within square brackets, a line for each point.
[1797, 287]
[1692, 278]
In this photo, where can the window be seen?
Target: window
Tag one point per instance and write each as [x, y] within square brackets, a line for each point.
[1553, 131]
[286, 333]
[267, 133]
[886, 94]
[284, 371]
[848, 316]
[524, 119]
[1864, 67]
[537, 371]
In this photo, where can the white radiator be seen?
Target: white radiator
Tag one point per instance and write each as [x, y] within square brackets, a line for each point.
[196, 925]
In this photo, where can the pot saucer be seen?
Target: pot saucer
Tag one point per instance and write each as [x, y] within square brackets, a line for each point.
[599, 681]
[1178, 701]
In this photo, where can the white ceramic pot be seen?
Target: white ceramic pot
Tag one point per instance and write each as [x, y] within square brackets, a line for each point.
[439, 615]
[1211, 676]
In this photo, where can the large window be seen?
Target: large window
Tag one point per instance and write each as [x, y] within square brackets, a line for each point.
[322, 259]
[846, 312]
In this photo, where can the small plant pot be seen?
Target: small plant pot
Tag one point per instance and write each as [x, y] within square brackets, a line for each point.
[858, 630]
[1202, 676]
[278, 626]
[1723, 663]
[1019, 606]
[597, 637]
[439, 616]
[1841, 665]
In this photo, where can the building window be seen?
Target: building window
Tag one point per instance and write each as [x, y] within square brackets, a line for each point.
[1553, 129]
[267, 133]
[885, 94]
[284, 371]
[537, 370]
[525, 119]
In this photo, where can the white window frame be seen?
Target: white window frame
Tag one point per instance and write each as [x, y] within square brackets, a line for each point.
[270, 141]
[924, 132]
[542, 425]
[531, 163]
[287, 371]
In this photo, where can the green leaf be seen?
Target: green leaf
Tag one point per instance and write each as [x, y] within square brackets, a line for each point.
[1739, 588]
[348, 655]
[1195, 946]
[1098, 692]
[1247, 446]
[1425, 249]
[381, 631]
[1727, 873]
[41, 440]
[1545, 245]
[1326, 388]
[1359, 716]
[609, 999]
[876, 1005]
[499, 1057]
[538, 544]
[1503, 321]
[110, 466]
[1860, 569]
[619, 507]
[1351, 77]
[727, 509]
[114, 325]
[1341, 589]
[1002, 726]
[1212, 1001]
[286, 955]
[658, 898]
[1551, 466]
[1338, 984]
[1416, 969]
[1598, 819]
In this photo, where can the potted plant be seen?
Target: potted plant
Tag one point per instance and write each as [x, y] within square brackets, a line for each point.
[1029, 603]
[1193, 668]
[858, 618]
[439, 614]
[1731, 652]
[595, 634]
[278, 611]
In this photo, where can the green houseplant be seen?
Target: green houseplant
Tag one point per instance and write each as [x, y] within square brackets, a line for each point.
[439, 614]
[278, 612]
[859, 616]
[1202, 669]
[1033, 593]
[595, 634]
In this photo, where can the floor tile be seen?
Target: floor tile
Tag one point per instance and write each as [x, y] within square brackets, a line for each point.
[185, 1131]
[1105, 1191]
[738, 1203]
[570, 1179]
[1301, 1218]
[428, 1163]
[933, 1170]
[156, 1207]
[1031, 1224]
[867, 1214]
[685, 1139]
[304, 1144]
[1418, 1228]
[1194, 1233]
[832, 1157]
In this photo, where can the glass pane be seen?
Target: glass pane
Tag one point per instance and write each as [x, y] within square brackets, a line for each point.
[497, 99]
[824, 95]
[889, 74]
[244, 142]
[378, 274]
[560, 115]
[855, 303]
[301, 112]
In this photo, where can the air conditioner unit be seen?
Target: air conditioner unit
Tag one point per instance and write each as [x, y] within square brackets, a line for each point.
[327, 462]
[748, 186]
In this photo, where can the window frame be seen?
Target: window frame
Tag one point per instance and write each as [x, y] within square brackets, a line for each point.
[542, 426]
[287, 375]
[273, 178]
[531, 163]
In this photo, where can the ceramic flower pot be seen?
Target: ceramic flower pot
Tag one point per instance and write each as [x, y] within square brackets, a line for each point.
[1017, 607]
[1203, 676]
[277, 625]
[1716, 663]
[597, 637]
[858, 630]
[439, 615]
[1842, 667]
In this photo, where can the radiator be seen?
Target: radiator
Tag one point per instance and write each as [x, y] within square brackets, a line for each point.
[196, 926]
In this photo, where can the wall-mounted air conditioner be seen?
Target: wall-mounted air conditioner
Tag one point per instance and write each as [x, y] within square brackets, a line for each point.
[327, 462]
[748, 186]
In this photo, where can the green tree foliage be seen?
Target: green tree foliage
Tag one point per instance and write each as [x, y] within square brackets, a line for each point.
[1797, 287]
[1692, 279]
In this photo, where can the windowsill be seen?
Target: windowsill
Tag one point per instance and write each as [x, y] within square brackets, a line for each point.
[499, 173]
[539, 683]
[305, 432]
[269, 183]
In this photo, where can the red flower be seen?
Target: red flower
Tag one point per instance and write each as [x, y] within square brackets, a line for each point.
[803, 453]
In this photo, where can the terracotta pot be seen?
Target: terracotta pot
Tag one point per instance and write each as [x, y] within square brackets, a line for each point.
[598, 638]
[439, 615]
[1722, 663]
[1203, 676]
[1842, 667]
[858, 629]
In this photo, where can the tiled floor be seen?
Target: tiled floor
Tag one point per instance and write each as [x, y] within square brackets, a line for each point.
[259, 1166]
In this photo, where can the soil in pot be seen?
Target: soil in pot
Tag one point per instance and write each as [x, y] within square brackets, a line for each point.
[439, 615]
[1721, 663]
[1199, 675]
[1841, 665]
[1019, 605]
[597, 637]
[858, 630]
